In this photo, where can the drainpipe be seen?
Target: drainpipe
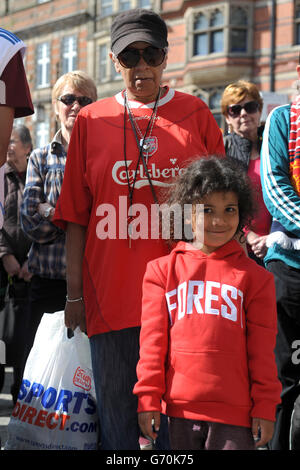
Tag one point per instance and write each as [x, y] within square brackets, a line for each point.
[272, 52]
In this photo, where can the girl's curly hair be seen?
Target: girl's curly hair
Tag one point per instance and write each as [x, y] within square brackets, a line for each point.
[205, 176]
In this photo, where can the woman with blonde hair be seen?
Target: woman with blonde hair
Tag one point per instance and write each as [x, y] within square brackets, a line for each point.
[45, 172]
[242, 105]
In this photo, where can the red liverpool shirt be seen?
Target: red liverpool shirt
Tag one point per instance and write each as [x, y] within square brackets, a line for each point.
[95, 194]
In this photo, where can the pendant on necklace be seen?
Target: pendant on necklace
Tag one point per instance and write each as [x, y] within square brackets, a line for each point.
[146, 145]
[149, 146]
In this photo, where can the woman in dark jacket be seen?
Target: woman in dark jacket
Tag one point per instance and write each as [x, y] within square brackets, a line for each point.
[242, 106]
[14, 247]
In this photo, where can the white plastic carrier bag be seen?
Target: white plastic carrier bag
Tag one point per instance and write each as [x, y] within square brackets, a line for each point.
[56, 406]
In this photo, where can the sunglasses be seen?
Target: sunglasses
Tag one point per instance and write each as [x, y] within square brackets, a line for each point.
[234, 110]
[130, 57]
[69, 99]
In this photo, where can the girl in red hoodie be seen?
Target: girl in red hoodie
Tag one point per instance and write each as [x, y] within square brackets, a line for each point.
[209, 322]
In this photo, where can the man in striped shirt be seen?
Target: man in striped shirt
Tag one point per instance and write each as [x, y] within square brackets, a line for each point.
[280, 166]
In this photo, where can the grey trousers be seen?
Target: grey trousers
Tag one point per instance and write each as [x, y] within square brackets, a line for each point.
[187, 434]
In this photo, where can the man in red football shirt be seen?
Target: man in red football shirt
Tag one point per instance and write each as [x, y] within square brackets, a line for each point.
[123, 150]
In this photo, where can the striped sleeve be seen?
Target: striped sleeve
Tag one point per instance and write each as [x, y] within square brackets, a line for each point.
[280, 198]
[10, 45]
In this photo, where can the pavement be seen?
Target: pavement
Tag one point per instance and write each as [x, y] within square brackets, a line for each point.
[6, 405]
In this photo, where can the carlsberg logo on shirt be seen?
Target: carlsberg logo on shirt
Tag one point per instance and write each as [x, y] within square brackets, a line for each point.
[119, 173]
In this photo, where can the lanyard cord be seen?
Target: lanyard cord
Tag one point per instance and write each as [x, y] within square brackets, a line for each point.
[140, 147]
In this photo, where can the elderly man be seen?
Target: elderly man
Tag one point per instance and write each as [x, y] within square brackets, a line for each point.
[123, 149]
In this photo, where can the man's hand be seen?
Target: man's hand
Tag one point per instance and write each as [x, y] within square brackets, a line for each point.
[75, 315]
[145, 423]
[259, 246]
[257, 243]
[24, 273]
[11, 265]
[266, 429]
[43, 207]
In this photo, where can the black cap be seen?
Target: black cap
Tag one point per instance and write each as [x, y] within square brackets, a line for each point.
[138, 25]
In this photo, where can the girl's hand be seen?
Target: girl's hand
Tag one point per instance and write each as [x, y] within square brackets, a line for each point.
[266, 429]
[145, 423]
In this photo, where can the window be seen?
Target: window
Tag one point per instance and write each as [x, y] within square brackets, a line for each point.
[208, 33]
[201, 35]
[69, 54]
[238, 30]
[212, 97]
[124, 5]
[214, 105]
[225, 29]
[110, 7]
[103, 58]
[113, 74]
[42, 134]
[43, 65]
[106, 7]
[144, 4]
[107, 69]
[297, 22]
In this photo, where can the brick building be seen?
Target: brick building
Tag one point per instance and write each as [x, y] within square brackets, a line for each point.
[212, 43]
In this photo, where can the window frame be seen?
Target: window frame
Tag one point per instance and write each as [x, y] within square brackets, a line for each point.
[106, 8]
[109, 74]
[66, 56]
[206, 95]
[111, 7]
[210, 30]
[227, 28]
[45, 123]
[45, 67]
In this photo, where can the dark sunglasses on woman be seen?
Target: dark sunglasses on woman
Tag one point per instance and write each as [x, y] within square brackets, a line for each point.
[234, 110]
[131, 56]
[69, 99]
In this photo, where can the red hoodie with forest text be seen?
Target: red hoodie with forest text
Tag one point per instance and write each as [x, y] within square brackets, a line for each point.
[208, 336]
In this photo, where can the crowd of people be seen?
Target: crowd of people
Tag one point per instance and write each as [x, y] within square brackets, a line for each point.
[191, 329]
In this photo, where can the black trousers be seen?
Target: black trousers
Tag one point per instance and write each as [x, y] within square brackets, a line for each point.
[45, 296]
[287, 281]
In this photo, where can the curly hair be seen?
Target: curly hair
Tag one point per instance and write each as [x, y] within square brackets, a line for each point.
[202, 177]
